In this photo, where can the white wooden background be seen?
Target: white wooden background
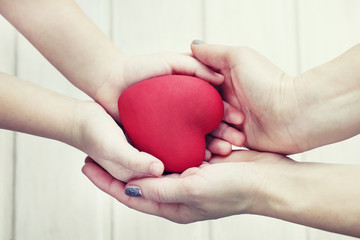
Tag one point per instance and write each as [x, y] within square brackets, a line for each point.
[43, 194]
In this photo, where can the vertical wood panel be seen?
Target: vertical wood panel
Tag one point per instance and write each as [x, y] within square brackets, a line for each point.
[53, 198]
[132, 225]
[6, 184]
[327, 29]
[267, 26]
[270, 28]
[141, 27]
[7, 64]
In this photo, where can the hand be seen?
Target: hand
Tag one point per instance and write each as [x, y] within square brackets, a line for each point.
[99, 136]
[288, 114]
[264, 93]
[219, 188]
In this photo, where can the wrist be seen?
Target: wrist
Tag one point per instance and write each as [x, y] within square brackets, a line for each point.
[111, 86]
[271, 191]
[329, 96]
[83, 113]
[308, 194]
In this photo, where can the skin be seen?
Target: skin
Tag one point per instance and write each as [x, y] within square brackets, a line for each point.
[82, 124]
[91, 61]
[281, 112]
[255, 183]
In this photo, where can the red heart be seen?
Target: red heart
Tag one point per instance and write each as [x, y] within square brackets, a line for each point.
[169, 117]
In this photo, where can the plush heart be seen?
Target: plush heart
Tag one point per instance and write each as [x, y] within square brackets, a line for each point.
[169, 117]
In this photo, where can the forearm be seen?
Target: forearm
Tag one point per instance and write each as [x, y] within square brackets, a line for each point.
[324, 196]
[67, 38]
[329, 100]
[30, 109]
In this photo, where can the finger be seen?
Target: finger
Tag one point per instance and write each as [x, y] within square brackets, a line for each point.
[89, 160]
[215, 56]
[232, 115]
[187, 65]
[108, 146]
[143, 162]
[101, 178]
[129, 157]
[229, 134]
[218, 146]
[115, 188]
[207, 155]
[162, 190]
[169, 63]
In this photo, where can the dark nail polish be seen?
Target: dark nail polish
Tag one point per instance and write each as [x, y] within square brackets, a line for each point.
[133, 191]
[198, 42]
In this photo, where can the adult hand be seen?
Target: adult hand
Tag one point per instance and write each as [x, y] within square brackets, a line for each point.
[246, 182]
[218, 188]
[263, 92]
[288, 114]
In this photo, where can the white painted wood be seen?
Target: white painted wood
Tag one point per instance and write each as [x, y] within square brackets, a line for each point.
[54, 200]
[141, 27]
[254, 228]
[266, 26]
[7, 64]
[327, 29]
[6, 183]
[7, 46]
[132, 225]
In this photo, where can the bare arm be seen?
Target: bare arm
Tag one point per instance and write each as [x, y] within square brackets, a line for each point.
[324, 196]
[25, 107]
[329, 100]
[85, 125]
[67, 38]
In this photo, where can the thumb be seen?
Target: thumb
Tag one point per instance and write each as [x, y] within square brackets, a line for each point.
[165, 189]
[215, 56]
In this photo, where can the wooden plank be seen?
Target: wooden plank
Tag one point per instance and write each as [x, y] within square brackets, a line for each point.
[138, 226]
[6, 183]
[266, 26]
[270, 28]
[141, 27]
[327, 29]
[7, 64]
[53, 198]
[255, 227]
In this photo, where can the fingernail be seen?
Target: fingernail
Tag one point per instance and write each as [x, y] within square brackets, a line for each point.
[198, 42]
[156, 169]
[133, 191]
